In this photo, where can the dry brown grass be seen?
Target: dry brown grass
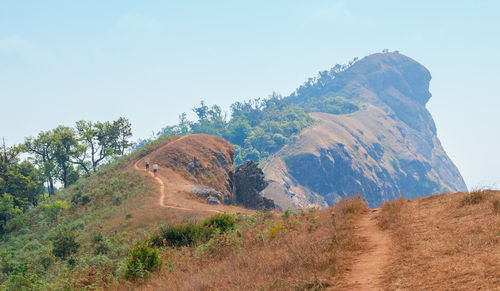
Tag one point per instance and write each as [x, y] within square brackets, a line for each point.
[444, 242]
[176, 154]
[301, 250]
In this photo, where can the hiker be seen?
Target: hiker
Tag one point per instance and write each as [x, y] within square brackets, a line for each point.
[147, 164]
[155, 168]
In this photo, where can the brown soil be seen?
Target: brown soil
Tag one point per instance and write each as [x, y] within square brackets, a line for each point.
[367, 270]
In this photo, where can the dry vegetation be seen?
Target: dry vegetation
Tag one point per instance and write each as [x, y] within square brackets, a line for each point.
[444, 242]
[294, 250]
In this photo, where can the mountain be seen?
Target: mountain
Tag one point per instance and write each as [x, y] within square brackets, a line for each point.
[387, 149]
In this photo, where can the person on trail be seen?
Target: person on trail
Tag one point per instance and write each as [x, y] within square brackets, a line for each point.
[147, 164]
[155, 168]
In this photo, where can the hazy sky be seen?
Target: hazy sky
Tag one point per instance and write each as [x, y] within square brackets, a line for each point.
[62, 61]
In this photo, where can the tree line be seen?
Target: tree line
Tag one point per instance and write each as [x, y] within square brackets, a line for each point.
[260, 127]
[57, 156]
[257, 128]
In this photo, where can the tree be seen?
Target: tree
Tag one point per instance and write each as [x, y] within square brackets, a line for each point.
[201, 111]
[43, 149]
[100, 141]
[21, 180]
[65, 244]
[211, 120]
[65, 147]
[8, 210]
[121, 131]
[184, 124]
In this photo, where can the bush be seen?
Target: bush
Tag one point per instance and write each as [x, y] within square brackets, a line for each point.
[178, 235]
[472, 198]
[142, 260]
[53, 209]
[22, 278]
[220, 222]
[65, 244]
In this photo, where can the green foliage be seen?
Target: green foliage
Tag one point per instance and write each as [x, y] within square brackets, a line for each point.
[260, 127]
[52, 209]
[178, 235]
[219, 222]
[63, 153]
[22, 278]
[32, 236]
[142, 260]
[21, 180]
[8, 210]
[333, 105]
[190, 233]
[65, 244]
[257, 128]
[100, 141]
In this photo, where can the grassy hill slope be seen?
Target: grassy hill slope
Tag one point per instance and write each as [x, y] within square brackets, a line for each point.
[444, 242]
[81, 236]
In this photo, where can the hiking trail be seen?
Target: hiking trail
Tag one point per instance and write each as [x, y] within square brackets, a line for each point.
[369, 266]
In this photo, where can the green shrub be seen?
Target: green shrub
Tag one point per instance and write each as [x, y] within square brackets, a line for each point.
[178, 235]
[142, 260]
[221, 222]
[65, 244]
[54, 208]
[22, 278]
[80, 198]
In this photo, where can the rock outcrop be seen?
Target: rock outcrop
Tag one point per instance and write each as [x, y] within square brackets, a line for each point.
[387, 149]
[249, 181]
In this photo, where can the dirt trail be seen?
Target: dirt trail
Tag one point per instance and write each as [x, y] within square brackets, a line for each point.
[161, 199]
[367, 271]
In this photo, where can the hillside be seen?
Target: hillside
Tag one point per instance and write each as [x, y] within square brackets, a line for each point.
[387, 149]
[82, 235]
[127, 228]
[456, 238]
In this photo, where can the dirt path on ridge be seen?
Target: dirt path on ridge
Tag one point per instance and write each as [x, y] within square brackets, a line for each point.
[161, 199]
[369, 266]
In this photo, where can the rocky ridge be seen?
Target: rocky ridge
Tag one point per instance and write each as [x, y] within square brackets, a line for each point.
[387, 149]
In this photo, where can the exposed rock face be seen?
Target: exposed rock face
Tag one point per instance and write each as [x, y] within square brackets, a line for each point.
[386, 150]
[249, 181]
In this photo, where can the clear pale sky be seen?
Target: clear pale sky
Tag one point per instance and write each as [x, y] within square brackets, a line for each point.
[62, 61]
